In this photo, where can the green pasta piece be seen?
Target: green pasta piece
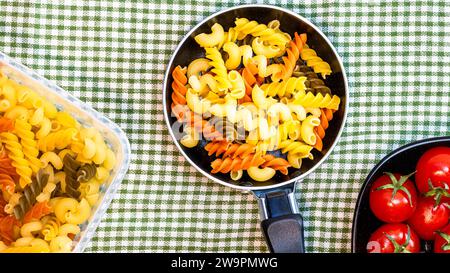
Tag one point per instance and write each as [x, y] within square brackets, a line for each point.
[31, 191]
[57, 192]
[313, 83]
[70, 168]
[86, 172]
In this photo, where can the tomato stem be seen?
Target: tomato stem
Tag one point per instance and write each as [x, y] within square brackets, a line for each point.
[437, 192]
[400, 248]
[397, 185]
[446, 237]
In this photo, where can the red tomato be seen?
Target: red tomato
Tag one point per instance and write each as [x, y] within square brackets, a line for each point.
[429, 217]
[393, 198]
[434, 167]
[393, 238]
[442, 240]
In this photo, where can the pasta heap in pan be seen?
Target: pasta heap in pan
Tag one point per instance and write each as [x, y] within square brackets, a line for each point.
[51, 170]
[256, 99]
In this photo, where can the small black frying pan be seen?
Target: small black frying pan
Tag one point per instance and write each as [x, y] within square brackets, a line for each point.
[403, 160]
[282, 223]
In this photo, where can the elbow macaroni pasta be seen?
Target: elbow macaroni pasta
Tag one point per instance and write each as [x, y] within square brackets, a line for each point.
[214, 38]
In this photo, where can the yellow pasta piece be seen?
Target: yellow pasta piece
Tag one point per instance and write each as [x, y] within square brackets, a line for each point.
[307, 133]
[317, 101]
[197, 66]
[18, 159]
[212, 39]
[234, 55]
[258, 174]
[29, 144]
[61, 244]
[312, 60]
[284, 88]
[219, 69]
[65, 119]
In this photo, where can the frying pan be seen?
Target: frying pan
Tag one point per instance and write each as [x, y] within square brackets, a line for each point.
[403, 160]
[281, 221]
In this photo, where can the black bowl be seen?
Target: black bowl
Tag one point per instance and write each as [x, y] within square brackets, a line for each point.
[403, 160]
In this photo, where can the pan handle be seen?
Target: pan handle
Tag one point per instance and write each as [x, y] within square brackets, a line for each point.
[281, 221]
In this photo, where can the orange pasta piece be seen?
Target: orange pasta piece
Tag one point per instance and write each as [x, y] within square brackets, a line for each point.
[203, 126]
[2, 206]
[8, 228]
[248, 74]
[7, 184]
[325, 117]
[228, 164]
[6, 166]
[241, 150]
[180, 109]
[6, 124]
[217, 147]
[228, 149]
[293, 53]
[38, 211]
[179, 89]
[276, 163]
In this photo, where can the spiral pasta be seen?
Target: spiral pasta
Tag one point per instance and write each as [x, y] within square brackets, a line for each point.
[71, 167]
[293, 53]
[276, 163]
[6, 166]
[208, 130]
[227, 149]
[317, 101]
[18, 159]
[312, 60]
[228, 164]
[8, 227]
[219, 69]
[86, 172]
[249, 81]
[255, 94]
[265, 33]
[325, 117]
[29, 145]
[217, 147]
[313, 83]
[28, 198]
[179, 89]
[7, 184]
[284, 88]
[38, 211]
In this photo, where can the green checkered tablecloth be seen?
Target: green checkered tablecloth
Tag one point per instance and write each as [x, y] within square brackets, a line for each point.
[112, 54]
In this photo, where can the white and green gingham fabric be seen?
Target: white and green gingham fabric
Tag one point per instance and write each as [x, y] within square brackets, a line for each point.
[113, 54]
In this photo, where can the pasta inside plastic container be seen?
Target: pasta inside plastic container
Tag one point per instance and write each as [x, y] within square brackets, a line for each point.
[114, 137]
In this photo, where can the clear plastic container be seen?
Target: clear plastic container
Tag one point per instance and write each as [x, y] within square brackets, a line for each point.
[114, 137]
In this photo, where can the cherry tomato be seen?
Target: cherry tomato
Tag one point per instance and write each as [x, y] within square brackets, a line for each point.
[429, 217]
[442, 240]
[394, 238]
[433, 172]
[393, 198]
